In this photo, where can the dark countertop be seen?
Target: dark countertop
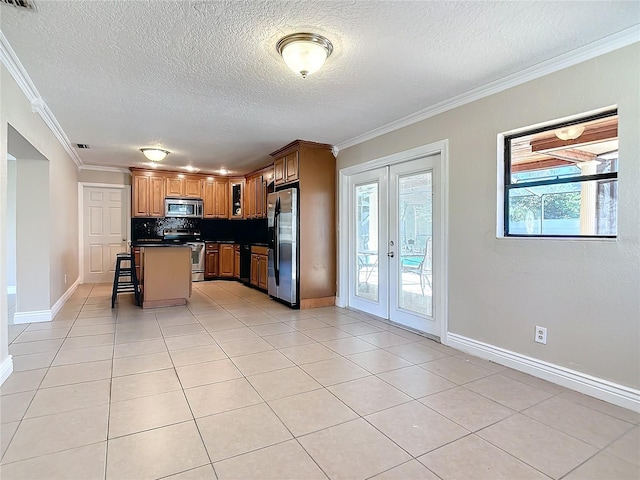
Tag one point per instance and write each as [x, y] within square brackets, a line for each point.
[151, 244]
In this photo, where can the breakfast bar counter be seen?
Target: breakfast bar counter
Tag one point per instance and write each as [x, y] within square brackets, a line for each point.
[165, 275]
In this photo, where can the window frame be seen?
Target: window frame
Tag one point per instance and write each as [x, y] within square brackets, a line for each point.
[508, 185]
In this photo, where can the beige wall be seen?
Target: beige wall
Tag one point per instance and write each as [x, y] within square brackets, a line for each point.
[586, 292]
[99, 176]
[32, 250]
[4, 330]
[11, 223]
[15, 110]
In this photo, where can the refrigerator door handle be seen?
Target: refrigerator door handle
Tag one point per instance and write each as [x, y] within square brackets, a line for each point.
[276, 246]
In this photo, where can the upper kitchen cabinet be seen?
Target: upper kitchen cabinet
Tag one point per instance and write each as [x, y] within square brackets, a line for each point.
[313, 166]
[286, 168]
[256, 192]
[215, 195]
[236, 197]
[180, 185]
[148, 192]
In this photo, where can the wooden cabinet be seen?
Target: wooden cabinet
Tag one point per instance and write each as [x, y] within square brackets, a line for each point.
[227, 260]
[215, 195]
[313, 166]
[285, 169]
[291, 170]
[259, 260]
[222, 197]
[249, 202]
[181, 185]
[211, 260]
[147, 194]
[236, 197]
[256, 197]
[254, 269]
[278, 171]
[236, 261]
[262, 272]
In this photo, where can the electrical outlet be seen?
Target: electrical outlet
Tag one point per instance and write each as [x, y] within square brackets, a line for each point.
[65, 279]
[541, 335]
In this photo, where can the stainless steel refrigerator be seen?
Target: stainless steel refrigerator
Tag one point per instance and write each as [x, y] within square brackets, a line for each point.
[282, 224]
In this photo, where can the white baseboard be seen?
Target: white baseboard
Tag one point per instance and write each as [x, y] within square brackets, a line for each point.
[34, 316]
[6, 368]
[11, 290]
[37, 316]
[617, 394]
[63, 299]
[340, 302]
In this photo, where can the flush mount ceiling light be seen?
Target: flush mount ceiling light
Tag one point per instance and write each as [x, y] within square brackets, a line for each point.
[304, 53]
[154, 154]
[570, 133]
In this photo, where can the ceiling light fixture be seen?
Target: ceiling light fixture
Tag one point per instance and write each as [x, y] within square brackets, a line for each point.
[223, 171]
[570, 133]
[154, 154]
[304, 53]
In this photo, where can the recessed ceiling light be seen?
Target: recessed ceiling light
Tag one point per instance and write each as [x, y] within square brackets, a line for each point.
[154, 154]
[190, 168]
[223, 171]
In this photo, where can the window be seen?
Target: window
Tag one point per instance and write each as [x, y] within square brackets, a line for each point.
[562, 180]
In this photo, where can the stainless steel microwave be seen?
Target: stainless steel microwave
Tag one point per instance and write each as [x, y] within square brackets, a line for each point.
[183, 207]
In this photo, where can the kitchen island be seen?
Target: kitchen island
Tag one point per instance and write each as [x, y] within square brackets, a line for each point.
[165, 274]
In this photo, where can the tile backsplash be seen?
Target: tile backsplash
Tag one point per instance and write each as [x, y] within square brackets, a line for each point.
[238, 231]
[153, 227]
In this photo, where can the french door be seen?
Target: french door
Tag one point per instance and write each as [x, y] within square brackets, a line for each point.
[394, 234]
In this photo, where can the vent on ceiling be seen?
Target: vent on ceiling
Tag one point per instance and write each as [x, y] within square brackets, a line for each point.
[82, 145]
[25, 4]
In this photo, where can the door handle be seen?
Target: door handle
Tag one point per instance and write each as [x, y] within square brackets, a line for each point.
[390, 254]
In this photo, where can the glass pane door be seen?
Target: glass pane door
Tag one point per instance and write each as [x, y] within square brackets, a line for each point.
[368, 233]
[414, 242]
[411, 235]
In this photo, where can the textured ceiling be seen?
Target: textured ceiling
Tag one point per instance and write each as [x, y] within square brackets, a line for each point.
[203, 79]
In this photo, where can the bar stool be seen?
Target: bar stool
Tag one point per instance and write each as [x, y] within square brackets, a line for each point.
[125, 278]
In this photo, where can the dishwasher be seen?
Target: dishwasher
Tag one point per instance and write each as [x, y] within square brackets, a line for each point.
[245, 264]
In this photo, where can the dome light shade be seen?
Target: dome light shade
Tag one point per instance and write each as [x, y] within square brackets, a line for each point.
[304, 53]
[570, 133]
[154, 154]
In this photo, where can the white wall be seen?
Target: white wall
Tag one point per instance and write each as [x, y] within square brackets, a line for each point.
[586, 292]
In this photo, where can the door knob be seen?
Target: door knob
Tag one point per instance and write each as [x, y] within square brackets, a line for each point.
[390, 254]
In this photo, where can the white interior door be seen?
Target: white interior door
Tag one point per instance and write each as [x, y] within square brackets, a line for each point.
[368, 284]
[395, 276]
[104, 232]
[412, 230]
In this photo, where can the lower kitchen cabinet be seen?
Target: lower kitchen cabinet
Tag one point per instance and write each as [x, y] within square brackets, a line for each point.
[262, 272]
[259, 257]
[211, 261]
[254, 269]
[227, 260]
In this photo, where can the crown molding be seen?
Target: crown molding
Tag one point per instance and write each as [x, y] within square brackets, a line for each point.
[11, 61]
[100, 168]
[579, 55]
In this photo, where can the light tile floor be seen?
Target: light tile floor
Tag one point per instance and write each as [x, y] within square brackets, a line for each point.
[237, 386]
